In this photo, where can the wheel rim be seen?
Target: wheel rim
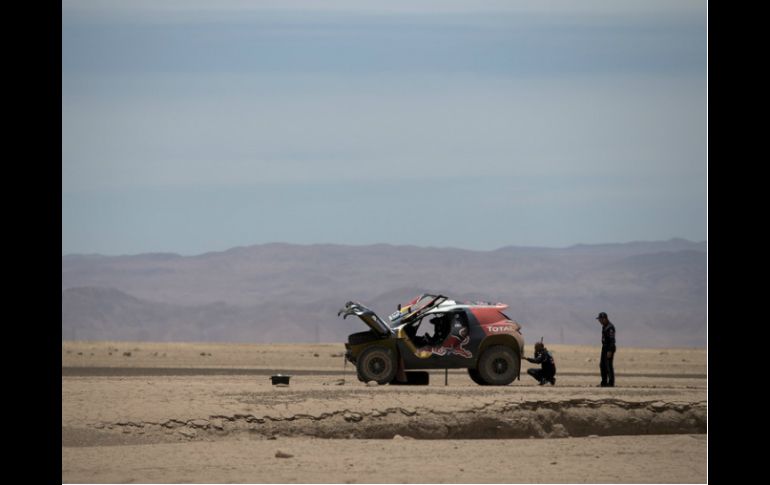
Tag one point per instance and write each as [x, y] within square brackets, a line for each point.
[499, 366]
[377, 365]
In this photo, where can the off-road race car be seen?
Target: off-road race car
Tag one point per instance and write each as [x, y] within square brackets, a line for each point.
[476, 336]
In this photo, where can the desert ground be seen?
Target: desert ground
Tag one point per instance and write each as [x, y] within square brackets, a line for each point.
[208, 413]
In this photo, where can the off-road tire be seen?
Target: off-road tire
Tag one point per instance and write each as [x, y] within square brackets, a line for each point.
[476, 377]
[499, 365]
[377, 364]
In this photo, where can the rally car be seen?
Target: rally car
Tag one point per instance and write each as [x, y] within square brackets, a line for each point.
[476, 336]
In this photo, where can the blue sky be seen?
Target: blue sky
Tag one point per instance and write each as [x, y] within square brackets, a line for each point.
[194, 126]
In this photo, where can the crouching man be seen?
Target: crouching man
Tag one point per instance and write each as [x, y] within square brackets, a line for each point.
[547, 371]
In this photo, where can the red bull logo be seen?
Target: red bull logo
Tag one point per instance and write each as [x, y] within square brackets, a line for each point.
[453, 345]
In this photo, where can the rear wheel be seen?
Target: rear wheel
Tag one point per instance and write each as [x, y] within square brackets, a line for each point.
[476, 377]
[376, 364]
[498, 365]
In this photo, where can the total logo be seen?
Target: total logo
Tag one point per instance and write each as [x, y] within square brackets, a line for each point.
[500, 328]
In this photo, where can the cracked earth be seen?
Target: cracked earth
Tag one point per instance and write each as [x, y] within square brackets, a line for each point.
[132, 427]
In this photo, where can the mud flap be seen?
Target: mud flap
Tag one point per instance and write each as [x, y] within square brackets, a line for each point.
[401, 377]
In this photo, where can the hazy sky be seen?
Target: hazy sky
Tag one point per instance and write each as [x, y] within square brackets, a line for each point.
[194, 126]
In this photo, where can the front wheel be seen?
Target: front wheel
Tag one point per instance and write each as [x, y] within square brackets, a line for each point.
[376, 364]
[498, 366]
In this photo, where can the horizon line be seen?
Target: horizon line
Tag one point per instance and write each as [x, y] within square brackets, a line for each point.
[283, 243]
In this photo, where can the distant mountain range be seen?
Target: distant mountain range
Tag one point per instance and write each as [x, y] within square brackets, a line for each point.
[654, 292]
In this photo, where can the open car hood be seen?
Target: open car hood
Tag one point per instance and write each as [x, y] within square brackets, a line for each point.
[368, 316]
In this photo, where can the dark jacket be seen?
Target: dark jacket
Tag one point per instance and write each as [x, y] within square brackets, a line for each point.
[545, 359]
[608, 336]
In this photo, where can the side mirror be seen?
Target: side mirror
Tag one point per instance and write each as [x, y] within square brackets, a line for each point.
[399, 307]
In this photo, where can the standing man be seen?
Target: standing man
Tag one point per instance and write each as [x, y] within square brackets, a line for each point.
[608, 351]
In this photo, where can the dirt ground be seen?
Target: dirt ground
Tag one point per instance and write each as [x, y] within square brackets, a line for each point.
[207, 413]
[615, 459]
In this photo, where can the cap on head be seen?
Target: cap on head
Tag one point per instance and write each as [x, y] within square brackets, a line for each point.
[601, 315]
[539, 346]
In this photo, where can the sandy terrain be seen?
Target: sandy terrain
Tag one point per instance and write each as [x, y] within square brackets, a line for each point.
[618, 459]
[208, 413]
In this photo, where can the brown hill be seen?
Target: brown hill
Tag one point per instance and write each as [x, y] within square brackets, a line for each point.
[655, 292]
